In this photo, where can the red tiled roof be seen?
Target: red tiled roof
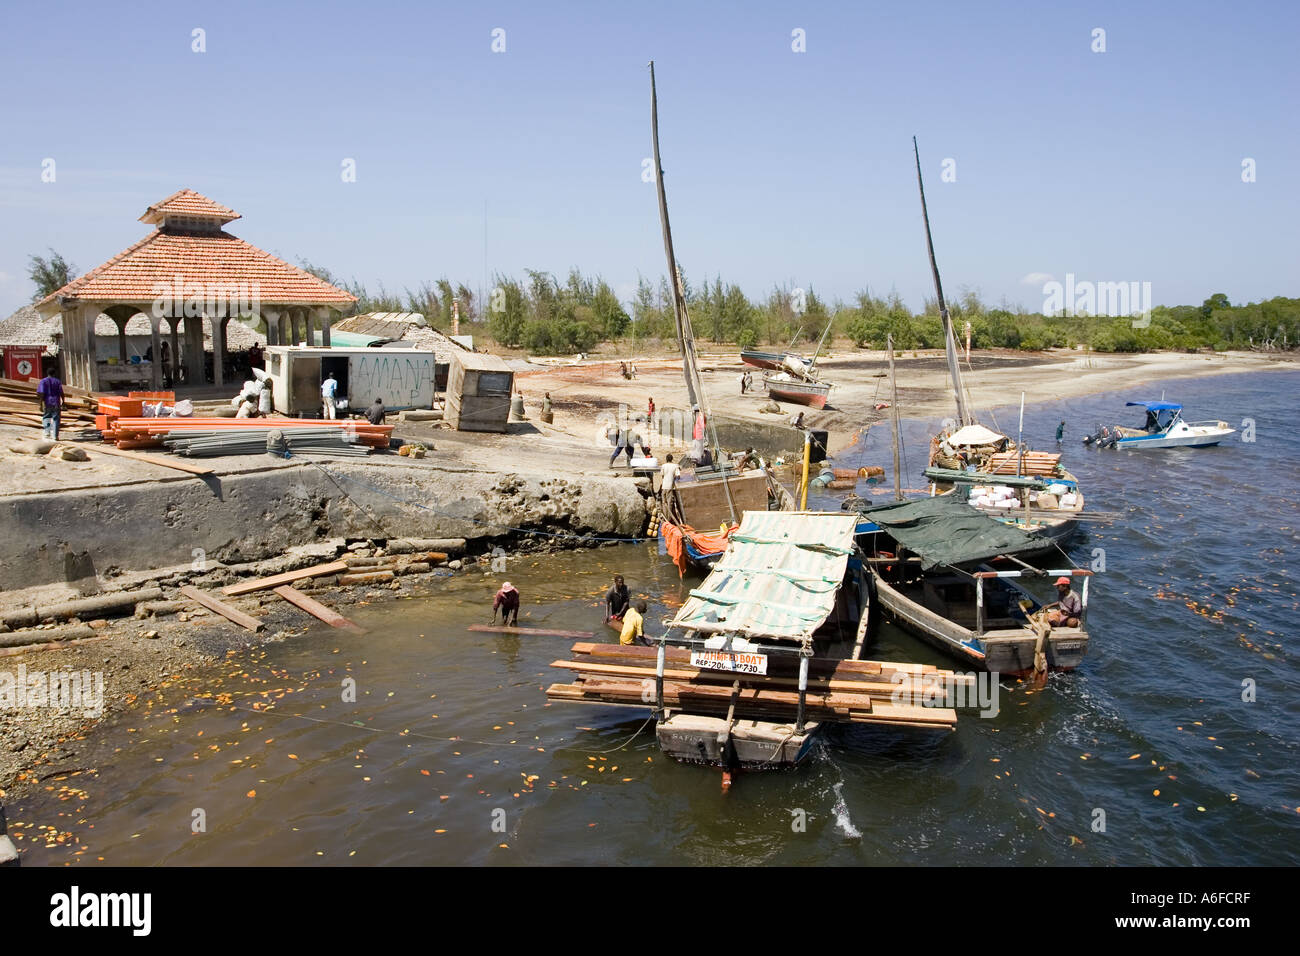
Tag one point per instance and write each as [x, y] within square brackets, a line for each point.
[206, 258]
[186, 202]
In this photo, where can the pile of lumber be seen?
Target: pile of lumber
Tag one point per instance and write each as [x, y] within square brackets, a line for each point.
[19, 405]
[152, 432]
[838, 690]
[1040, 464]
[201, 443]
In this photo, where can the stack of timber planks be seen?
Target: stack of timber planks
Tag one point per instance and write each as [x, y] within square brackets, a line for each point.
[838, 690]
[19, 405]
[1040, 464]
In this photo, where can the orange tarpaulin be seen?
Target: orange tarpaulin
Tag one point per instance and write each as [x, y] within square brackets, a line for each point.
[702, 542]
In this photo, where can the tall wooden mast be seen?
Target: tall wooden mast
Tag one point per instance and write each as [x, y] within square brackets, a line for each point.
[685, 335]
[949, 340]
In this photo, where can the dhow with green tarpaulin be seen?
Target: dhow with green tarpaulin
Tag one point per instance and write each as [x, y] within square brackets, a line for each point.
[958, 579]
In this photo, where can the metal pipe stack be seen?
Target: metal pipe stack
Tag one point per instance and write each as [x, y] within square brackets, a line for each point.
[194, 443]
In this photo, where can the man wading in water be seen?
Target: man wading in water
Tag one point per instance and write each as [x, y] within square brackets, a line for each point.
[616, 600]
[507, 600]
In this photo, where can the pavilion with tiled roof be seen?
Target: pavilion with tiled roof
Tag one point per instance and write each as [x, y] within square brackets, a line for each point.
[187, 271]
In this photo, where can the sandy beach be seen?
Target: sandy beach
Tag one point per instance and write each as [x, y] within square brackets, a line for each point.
[581, 391]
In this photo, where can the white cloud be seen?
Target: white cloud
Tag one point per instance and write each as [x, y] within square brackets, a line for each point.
[1037, 278]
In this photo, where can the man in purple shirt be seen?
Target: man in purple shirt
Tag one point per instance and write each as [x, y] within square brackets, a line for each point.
[50, 394]
[1068, 610]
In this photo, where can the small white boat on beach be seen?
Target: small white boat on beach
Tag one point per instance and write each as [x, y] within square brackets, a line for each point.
[1164, 428]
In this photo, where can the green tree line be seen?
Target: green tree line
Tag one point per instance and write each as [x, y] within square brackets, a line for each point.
[544, 315]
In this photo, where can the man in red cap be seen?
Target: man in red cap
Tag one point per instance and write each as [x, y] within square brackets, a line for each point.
[1068, 607]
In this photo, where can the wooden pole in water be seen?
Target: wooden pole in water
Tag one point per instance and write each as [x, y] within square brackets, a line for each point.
[893, 385]
[1020, 439]
[807, 454]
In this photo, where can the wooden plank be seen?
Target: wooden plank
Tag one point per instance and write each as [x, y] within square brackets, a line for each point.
[222, 608]
[535, 631]
[884, 689]
[315, 608]
[275, 580]
[819, 665]
[147, 459]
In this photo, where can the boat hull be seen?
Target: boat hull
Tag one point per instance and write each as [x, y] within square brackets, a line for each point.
[764, 360]
[749, 744]
[1172, 441]
[1008, 652]
[812, 394]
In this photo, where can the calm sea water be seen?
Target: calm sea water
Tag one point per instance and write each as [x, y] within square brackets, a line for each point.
[1176, 743]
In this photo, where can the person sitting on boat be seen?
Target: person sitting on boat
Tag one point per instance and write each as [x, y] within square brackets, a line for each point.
[1068, 607]
[507, 600]
[633, 632]
[616, 600]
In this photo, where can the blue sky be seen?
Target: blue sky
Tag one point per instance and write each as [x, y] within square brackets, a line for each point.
[780, 166]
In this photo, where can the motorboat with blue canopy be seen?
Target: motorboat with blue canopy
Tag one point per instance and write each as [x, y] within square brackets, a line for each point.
[1164, 428]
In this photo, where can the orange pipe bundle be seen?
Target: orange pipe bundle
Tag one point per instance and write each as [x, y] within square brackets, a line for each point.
[149, 432]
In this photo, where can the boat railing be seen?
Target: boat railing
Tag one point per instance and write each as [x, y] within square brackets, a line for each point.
[1208, 424]
[980, 576]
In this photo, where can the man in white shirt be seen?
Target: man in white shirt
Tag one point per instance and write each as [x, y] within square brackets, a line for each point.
[328, 389]
[669, 471]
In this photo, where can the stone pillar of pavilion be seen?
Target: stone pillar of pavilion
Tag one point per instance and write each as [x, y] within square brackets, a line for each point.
[155, 343]
[271, 318]
[174, 370]
[323, 315]
[69, 348]
[87, 314]
[218, 323]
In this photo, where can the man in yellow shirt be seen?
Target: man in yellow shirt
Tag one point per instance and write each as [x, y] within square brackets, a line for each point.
[632, 631]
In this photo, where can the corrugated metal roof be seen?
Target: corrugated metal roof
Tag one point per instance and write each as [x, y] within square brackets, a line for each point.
[778, 577]
[481, 361]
